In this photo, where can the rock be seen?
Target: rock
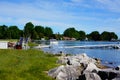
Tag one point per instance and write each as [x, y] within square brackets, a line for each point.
[82, 67]
[67, 72]
[54, 72]
[89, 76]
[109, 75]
[91, 68]
[117, 68]
[62, 60]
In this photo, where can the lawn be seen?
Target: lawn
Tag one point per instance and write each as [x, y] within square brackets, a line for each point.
[25, 64]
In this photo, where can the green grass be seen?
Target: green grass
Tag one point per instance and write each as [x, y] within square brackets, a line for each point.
[9, 40]
[25, 65]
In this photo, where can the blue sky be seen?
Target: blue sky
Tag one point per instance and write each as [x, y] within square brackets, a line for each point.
[86, 15]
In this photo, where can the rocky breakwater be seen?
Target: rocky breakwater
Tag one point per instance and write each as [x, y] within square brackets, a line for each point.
[82, 67]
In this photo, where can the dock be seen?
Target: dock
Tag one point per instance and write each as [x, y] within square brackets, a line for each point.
[103, 46]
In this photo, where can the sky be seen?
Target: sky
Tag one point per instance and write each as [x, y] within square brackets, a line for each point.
[86, 15]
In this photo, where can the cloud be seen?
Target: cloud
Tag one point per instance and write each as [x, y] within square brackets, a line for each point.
[45, 11]
[112, 5]
[61, 14]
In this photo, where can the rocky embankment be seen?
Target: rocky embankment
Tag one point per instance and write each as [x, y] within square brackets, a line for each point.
[82, 67]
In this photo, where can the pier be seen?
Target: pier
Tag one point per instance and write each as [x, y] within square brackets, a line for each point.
[103, 46]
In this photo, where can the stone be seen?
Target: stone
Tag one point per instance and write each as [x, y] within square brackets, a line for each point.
[107, 75]
[117, 68]
[67, 72]
[89, 76]
[54, 72]
[91, 68]
[82, 67]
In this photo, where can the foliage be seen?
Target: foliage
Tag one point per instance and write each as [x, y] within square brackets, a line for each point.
[3, 31]
[108, 36]
[113, 35]
[31, 44]
[25, 64]
[28, 29]
[95, 35]
[13, 32]
[48, 32]
[38, 32]
[82, 35]
[71, 32]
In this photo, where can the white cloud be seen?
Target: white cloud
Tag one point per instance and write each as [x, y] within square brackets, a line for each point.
[81, 14]
[112, 5]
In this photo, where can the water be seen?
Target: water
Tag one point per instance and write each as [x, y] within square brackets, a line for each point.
[110, 57]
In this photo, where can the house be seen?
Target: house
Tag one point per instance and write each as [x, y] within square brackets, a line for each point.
[3, 45]
[68, 38]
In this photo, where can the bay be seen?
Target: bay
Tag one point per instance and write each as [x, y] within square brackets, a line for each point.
[109, 56]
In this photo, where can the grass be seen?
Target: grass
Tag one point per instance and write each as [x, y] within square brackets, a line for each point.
[9, 40]
[25, 64]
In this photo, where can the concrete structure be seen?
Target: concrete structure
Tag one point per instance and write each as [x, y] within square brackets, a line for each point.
[3, 45]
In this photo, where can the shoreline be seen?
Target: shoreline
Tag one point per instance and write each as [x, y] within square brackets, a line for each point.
[77, 66]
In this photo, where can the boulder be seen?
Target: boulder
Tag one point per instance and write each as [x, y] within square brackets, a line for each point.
[54, 72]
[82, 67]
[117, 68]
[67, 72]
[109, 74]
[91, 68]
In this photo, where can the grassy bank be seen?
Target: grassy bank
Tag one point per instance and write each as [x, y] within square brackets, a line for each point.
[25, 65]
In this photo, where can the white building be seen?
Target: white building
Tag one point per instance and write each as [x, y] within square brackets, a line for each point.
[3, 45]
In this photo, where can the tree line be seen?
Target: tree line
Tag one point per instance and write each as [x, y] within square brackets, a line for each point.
[34, 32]
[38, 32]
[95, 35]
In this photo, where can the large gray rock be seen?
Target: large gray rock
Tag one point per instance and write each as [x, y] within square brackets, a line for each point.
[67, 72]
[82, 67]
[54, 72]
[74, 60]
[89, 76]
[91, 68]
[109, 74]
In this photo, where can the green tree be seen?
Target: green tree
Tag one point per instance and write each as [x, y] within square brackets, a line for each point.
[34, 34]
[95, 36]
[113, 35]
[82, 35]
[40, 31]
[13, 32]
[71, 32]
[57, 36]
[28, 29]
[48, 32]
[3, 31]
[105, 36]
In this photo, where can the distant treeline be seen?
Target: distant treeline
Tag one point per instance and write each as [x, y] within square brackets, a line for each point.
[38, 32]
[95, 35]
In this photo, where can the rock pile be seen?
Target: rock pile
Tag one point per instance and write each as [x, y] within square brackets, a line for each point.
[82, 67]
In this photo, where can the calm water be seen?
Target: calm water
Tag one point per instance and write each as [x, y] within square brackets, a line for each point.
[108, 56]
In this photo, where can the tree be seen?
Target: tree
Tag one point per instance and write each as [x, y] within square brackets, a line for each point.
[28, 29]
[57, 36]
[71, 32]
[105, 36]
[3, 31]
[95, 36]
[113, 35]
[13, 32]
[48, 32]
[34, 34]
[82, 35]
[40, 31]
